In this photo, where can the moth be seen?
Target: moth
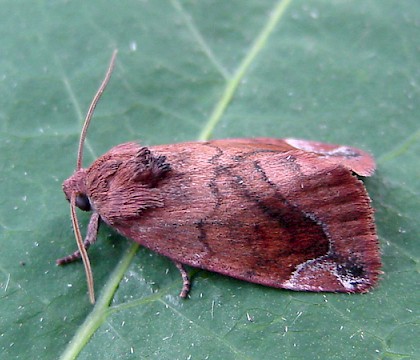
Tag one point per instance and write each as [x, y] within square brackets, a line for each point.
[283, 213]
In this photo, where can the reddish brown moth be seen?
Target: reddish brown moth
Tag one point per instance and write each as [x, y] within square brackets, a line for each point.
[284, 213]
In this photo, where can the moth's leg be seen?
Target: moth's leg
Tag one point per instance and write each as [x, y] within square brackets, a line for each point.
[90, 238]
[186, 284]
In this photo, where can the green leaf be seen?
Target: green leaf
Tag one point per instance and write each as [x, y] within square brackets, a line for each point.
[335, 71]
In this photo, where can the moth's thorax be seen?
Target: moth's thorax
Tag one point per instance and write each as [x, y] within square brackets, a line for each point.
[120, 184]
[75, 184]
[99, 171]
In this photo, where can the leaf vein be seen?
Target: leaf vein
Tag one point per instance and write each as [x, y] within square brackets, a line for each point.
[231, 86]
[192, 27]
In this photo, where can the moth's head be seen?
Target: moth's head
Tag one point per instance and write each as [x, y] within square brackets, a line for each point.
[75, 185]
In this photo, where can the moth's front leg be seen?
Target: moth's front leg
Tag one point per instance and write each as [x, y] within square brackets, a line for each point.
[90, 238]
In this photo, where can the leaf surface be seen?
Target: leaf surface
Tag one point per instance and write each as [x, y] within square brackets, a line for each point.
[339, 71]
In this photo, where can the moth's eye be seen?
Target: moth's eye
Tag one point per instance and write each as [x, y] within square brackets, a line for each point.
[82, 202]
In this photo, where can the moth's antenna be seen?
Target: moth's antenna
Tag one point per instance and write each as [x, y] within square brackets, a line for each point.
[82, 250]
[78, 235]
[92, 109]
